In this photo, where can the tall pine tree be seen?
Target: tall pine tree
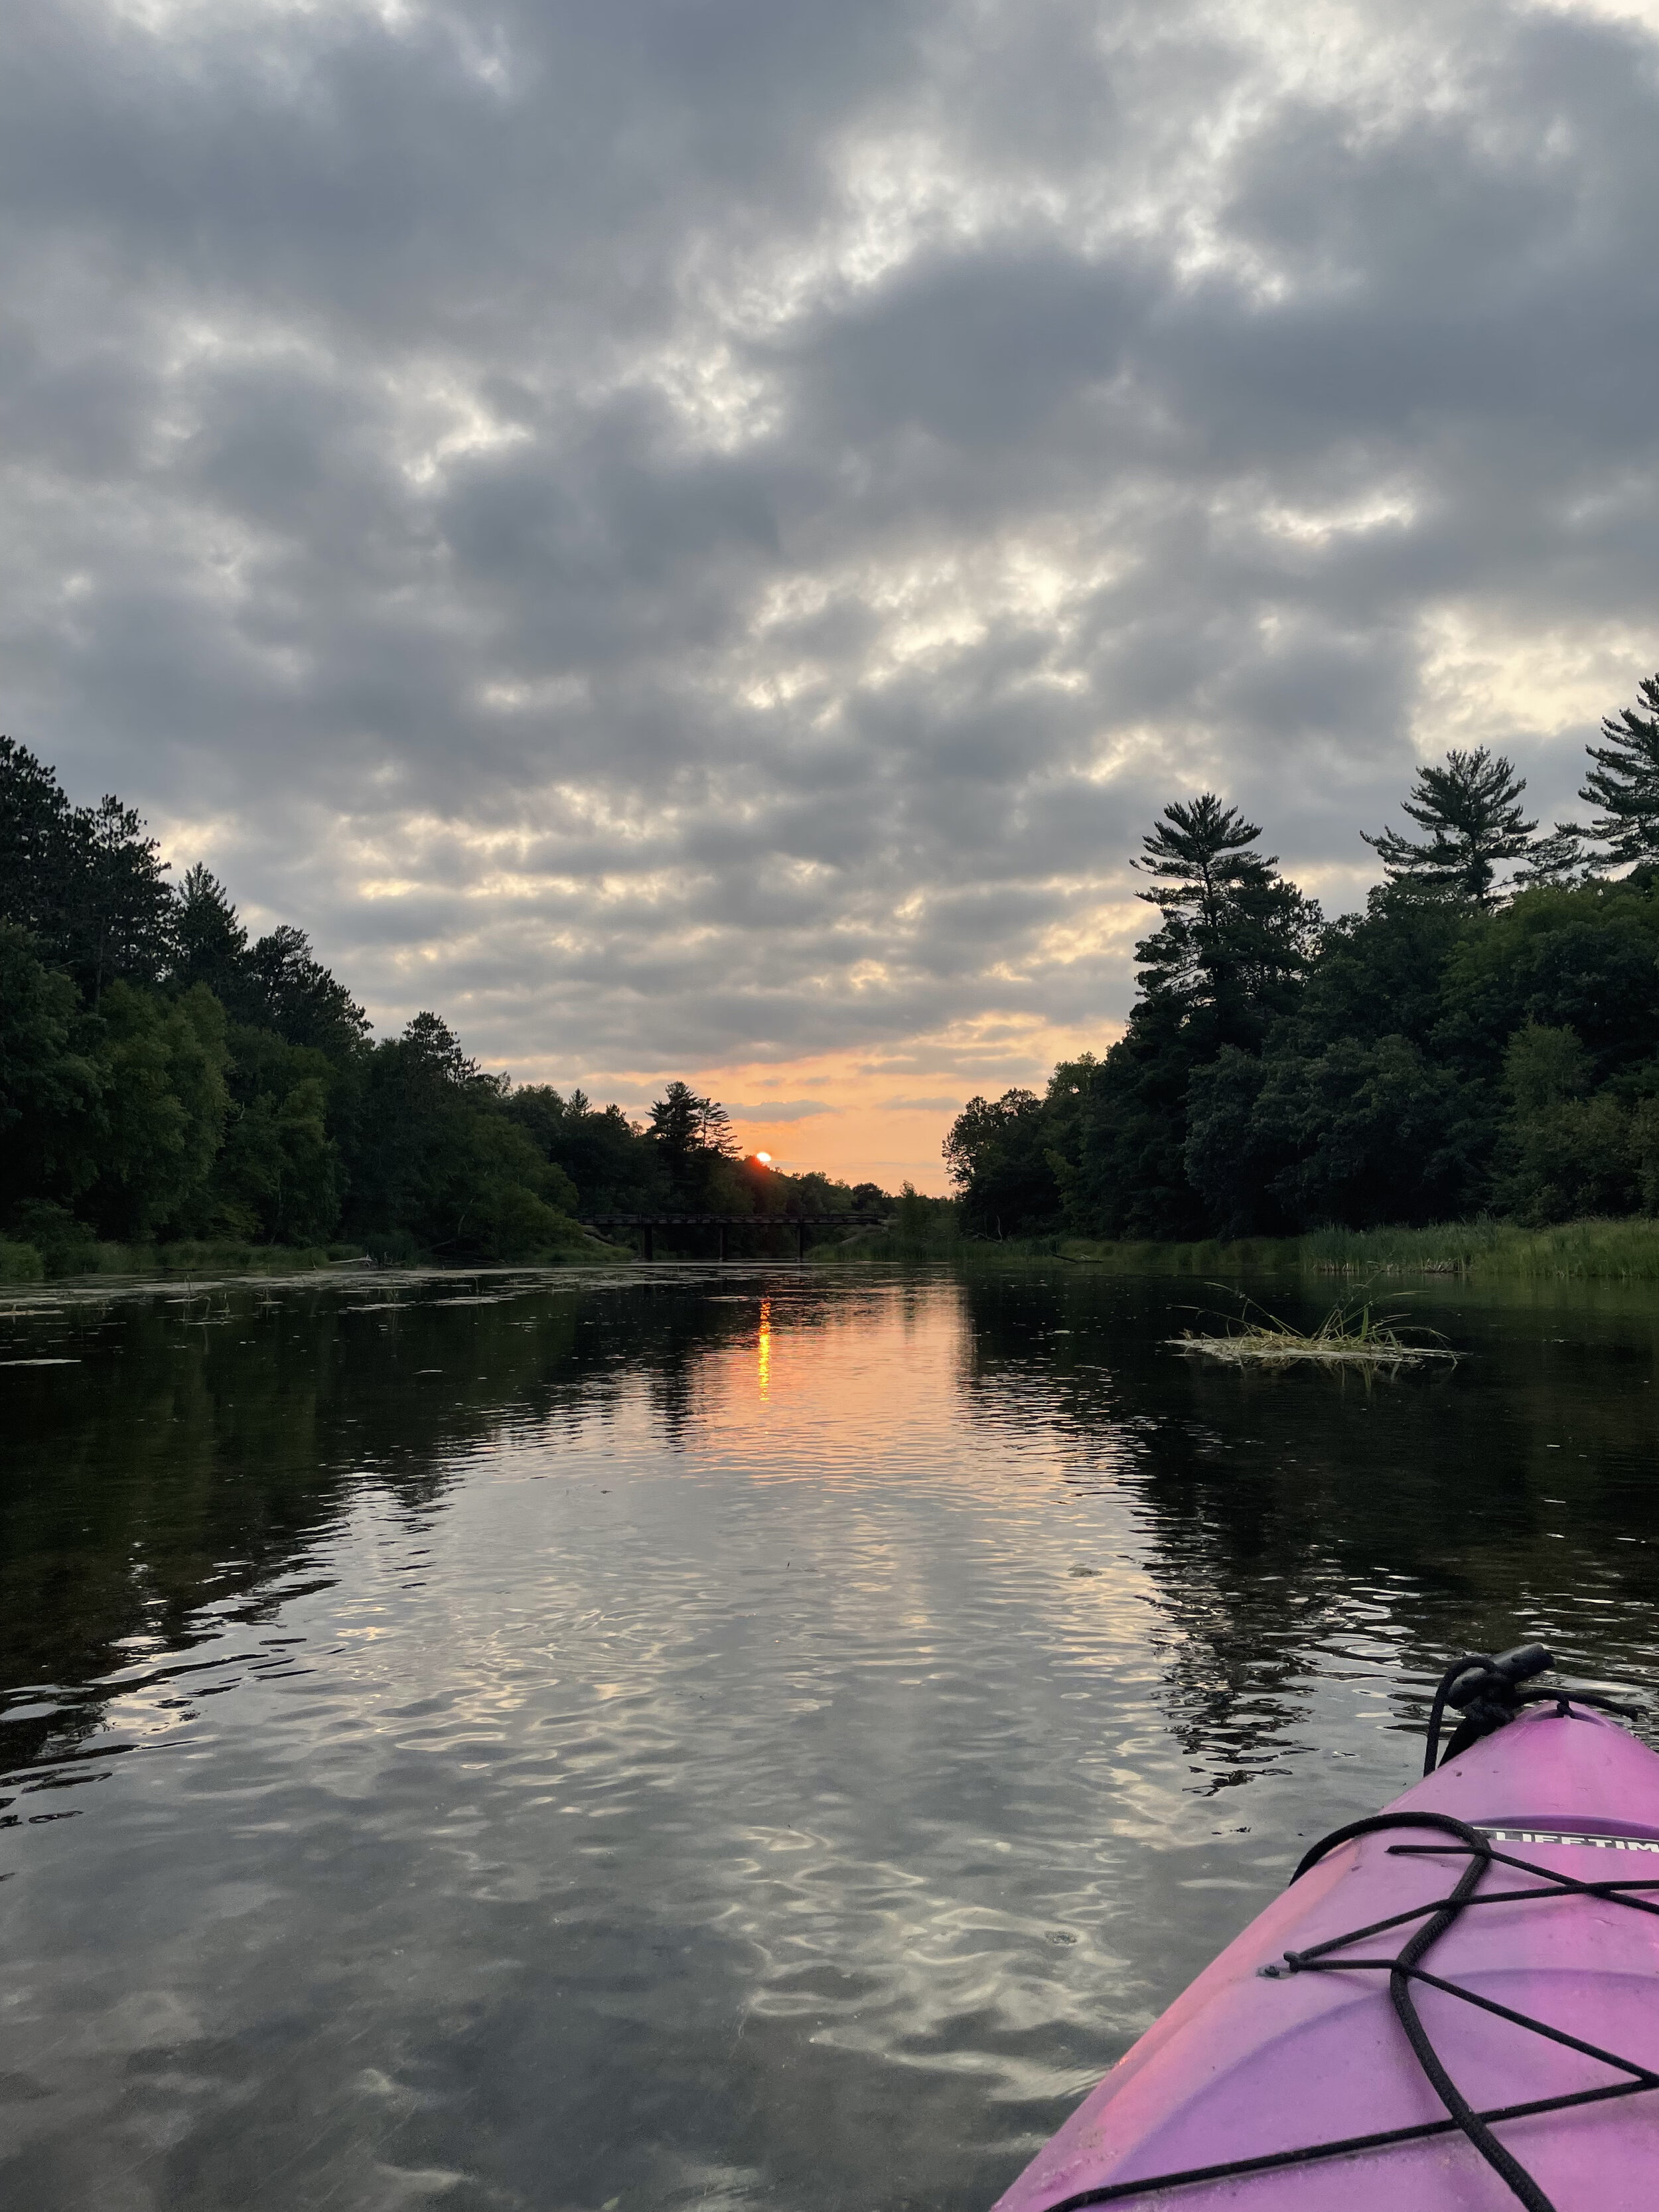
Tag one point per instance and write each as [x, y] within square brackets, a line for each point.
[1236, 935]
[1625, 782]
[85, 881]
[1471, 809]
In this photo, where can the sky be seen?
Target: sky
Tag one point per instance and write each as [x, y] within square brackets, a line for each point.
[694, 537]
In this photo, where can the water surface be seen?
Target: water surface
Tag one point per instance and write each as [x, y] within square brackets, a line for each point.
[711, 1737]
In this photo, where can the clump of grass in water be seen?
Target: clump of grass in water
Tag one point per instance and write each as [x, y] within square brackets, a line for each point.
[1352, 1334]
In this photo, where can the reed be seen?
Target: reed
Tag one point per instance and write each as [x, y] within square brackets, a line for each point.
[1353, 1333]
[1596, 1250]
[1626, 1250]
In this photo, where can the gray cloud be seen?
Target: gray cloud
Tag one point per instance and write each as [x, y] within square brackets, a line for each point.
[691, 535]
[794, 1110]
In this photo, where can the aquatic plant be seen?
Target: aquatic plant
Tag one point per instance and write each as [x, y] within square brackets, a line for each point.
[1353, 1333]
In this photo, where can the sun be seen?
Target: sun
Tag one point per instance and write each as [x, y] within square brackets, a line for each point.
[765, 1158]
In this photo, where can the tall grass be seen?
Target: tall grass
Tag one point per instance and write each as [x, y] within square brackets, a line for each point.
[1589, 1251]
[1596, 1250]
[1610, 1251]
[1243, 1255]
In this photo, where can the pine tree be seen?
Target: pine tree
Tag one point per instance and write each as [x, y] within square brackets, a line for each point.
[1624, 783]
[1561, 860]
[433, 1049]
[211, 942]
[85, 880]
[1471, 810]
[287, 988]
[37, 846]
[1236, 934]
[684, 1125]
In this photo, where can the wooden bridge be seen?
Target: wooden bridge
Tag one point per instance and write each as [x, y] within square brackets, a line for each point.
[800, 1222]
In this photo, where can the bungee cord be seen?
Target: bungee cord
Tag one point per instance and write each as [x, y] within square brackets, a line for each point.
[1487, 1693]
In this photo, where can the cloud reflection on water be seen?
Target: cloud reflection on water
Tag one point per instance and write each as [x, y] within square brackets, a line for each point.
[693, 1760]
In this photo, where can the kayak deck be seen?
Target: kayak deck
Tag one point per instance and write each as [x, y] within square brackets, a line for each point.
[1252, 2064]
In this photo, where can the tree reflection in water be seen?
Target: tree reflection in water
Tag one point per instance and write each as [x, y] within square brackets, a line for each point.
[710, 1737]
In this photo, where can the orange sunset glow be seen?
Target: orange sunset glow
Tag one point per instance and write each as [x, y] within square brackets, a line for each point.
[877, 1116]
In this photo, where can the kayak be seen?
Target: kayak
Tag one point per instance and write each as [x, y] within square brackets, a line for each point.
[1453, 2007]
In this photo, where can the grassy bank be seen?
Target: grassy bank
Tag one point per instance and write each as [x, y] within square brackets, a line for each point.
[1249, 1257]
[27, 1263]
[24, 1263]
[895, 1243]
[1626, 1250]
[1609, 1251]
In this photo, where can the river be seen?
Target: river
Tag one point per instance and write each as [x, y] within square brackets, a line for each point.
[713, 1737]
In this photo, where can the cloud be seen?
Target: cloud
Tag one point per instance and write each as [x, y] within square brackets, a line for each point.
[700, 537]
[794, 1110]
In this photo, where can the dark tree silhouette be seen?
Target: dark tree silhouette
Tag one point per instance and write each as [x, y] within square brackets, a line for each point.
[434, 1050]
[685, 1126]
[121, 910]
[85, 880]
[996, 1155]
[161, 1076]
[35, 842]
[1234, 933]
[1471, 810]
[211, 945]
[1561, 860]
[287, 988]
[1625, 782]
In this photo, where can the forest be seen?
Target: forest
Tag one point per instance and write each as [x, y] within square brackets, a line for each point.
[166, 1079]
[1483, 1040]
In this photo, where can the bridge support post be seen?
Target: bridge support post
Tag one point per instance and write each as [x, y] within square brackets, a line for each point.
[648, 1234]
[723, 1236]
[800, 1240]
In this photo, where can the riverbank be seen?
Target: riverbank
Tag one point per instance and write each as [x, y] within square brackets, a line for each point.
[27, 1263]
[1626, 1250]
[1594, 1251]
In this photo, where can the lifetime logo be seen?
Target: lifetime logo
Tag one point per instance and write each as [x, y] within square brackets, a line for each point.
[1560, 1836]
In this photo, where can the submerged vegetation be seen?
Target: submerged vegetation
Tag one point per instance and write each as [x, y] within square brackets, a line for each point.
[1480, 1044]
[171, 1085]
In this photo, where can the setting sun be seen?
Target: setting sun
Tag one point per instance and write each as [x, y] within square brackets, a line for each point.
[765, 1158]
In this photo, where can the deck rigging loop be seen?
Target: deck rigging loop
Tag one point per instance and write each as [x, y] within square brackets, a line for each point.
[1488, 1692]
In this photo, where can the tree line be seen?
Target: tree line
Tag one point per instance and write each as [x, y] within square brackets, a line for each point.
[166, 1076]
[1482, 1038]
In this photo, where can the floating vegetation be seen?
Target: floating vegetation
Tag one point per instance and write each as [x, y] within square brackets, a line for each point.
[1354, 1334]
